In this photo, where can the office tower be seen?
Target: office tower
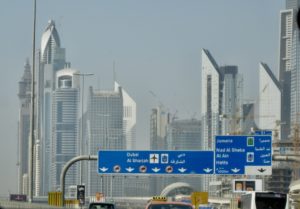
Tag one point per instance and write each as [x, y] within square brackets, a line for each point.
[105, 128]
[232, 113]
[159, 120]
[51, 59]
[288, 66]
[269, 105]
[129, 118]
[65, 127]
[24, 126]
[185, 135]
[248, 118]
[211, 106]
[221, 104]
[211, 103]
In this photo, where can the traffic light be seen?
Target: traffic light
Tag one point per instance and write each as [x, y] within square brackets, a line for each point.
[81, 194]
[298, 18]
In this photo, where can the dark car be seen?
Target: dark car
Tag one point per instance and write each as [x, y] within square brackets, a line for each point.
[101, 205]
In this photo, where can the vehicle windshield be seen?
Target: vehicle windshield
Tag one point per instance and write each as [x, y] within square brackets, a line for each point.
[270, 203]
[101, 206]
[169, 206]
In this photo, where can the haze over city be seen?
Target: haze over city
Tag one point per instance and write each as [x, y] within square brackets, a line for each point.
[156, 47]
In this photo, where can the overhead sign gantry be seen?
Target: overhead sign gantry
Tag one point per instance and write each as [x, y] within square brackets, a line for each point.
[243, 155]
[155, 162]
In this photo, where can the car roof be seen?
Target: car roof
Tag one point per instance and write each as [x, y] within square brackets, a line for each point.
[168, 202]
[101, 203]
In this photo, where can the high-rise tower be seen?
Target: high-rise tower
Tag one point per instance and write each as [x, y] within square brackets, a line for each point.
[269, 106]
[65, 141]
[211, 94]
[24, 126]
[105, 128]
[289, 66]
[221, 105]
[129, 118]
[51, 59]
[232, 100]
[159, 120]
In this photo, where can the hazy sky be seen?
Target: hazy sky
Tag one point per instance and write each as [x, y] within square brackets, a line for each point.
[155, 44]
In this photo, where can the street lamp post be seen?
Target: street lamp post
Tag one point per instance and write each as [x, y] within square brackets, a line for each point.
[31, 141]
[83, 75]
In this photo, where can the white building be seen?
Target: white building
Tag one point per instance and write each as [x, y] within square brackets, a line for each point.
[65, 138]
[211, 106]
[105, 131]
[129, 118]
[269, 101]
[51, 59]
[211, 102]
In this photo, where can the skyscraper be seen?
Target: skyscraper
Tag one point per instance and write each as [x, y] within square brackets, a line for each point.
[288, 65]
[211, 105]
[129, 118]
[211, 94]
[221, 105]
[232, 100]
[65, 127]
[105, 128]
[51, 59]
[269, 105]
[24, 126]
[185, 135]
[159, 120]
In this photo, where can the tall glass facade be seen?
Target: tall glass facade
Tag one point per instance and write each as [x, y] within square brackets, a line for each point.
[51, 59]
[65, 139]
[105, 131]
[24, 126]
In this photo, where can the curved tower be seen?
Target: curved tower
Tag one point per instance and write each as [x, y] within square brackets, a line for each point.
[50, 41]
[52, 59]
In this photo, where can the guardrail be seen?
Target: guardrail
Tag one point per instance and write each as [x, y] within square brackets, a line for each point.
[14, 204]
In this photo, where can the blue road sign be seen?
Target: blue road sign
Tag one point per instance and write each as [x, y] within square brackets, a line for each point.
[249, 155]
[263, 132]
[155, 162]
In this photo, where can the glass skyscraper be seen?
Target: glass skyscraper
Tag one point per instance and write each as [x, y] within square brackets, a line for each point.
[221, 105]
[185, 135]
[232, 100]
[65, 138]
[24, 126]
[51, 59]
[159, 120]
[105, 132]
[289, 67]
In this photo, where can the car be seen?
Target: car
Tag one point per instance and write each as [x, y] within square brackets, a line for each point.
[163, 203]
[101, 205]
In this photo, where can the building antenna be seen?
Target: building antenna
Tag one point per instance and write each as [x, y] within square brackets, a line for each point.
[114, 71]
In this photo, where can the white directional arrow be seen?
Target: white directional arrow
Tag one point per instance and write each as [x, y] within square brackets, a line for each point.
[235, 170]
[182, 170]
[207, 170]
[129, 169]
[156, 169]
[103, 169]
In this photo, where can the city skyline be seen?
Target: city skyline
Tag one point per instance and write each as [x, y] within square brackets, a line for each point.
[166, 62]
